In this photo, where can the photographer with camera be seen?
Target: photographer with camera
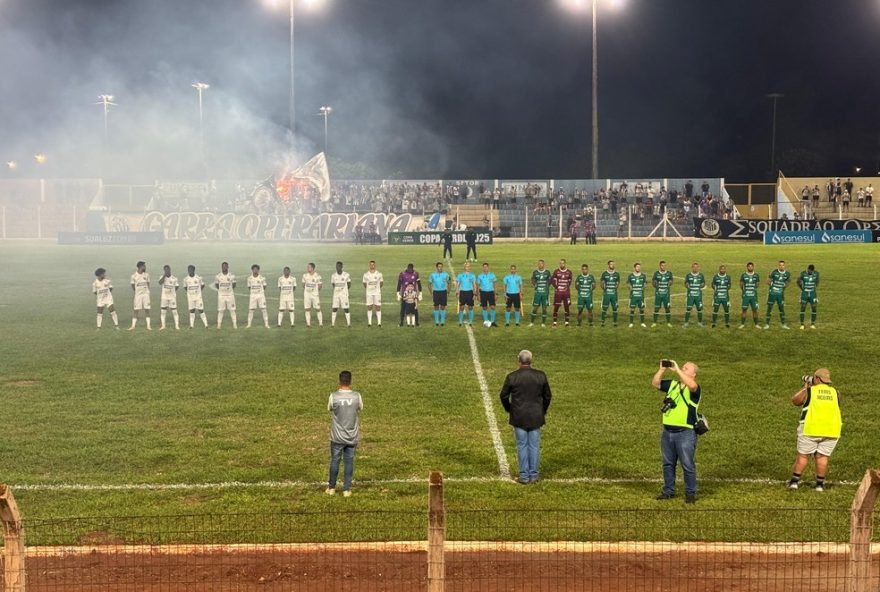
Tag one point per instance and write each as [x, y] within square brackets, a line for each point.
[678, 440]
[819, 428]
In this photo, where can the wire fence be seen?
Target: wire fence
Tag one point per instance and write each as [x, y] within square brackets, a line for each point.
[484, 550]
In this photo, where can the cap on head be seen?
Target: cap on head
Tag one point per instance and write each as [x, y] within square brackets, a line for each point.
[823, 374]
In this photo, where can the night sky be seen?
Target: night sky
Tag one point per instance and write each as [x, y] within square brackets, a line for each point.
[445, 88]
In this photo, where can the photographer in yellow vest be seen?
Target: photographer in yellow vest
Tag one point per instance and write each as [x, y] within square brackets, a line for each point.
[819, 428]
[678, 441]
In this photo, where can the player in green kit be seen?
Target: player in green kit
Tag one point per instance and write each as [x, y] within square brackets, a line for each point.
[748, 283]
[662, 282]
[694, 283]
[541, 284]
[610, 282]
[721, 285]
[778, 282]
[637, 281]
[808, 282]
[584, 285]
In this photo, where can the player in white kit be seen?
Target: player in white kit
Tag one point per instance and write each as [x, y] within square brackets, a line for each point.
[102, 288]
[311, 282]
[341, 283]
[140, 285]
[194, 285]
[256, 284]
[286, 288]
[225, 284]
[170, 285]
[373, 282]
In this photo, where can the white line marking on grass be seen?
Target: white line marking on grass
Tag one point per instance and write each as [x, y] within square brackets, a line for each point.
[503, 465]
[406, 480]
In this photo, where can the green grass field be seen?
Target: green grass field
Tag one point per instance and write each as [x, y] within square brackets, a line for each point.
[108, 408]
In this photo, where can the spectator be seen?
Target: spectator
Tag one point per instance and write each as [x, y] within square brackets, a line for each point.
[344, 406]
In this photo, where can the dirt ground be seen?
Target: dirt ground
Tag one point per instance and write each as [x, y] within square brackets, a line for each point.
[405, 571]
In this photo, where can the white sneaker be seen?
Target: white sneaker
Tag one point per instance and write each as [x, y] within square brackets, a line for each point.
[820, 488]
[346, 493]
[630, 325]
[330, 491]
[766, 326]
[792, 485]
[741, 327]
[644, 326]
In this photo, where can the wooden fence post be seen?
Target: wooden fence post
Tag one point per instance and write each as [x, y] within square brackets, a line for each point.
[861, 526]
[436, 533]
[13, 551]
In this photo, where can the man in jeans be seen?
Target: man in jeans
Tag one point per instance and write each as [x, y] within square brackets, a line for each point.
[678, 441]
[526, 397]
[344, 406]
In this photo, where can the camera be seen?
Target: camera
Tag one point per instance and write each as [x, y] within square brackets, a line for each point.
[666, 363]
[668, 403]
[807, 379]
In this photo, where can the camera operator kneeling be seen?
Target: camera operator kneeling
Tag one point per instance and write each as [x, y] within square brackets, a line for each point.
[819, 428]
[678, 441]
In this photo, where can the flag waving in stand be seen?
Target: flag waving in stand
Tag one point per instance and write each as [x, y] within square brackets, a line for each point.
[316, 173]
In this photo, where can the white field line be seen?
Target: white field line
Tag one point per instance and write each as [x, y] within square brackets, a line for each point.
[368, 482]
[503, 465]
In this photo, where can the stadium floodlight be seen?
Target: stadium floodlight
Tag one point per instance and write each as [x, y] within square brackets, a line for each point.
[107, 102]
[581, 5]
[325, 112]
[40, 158]
[858, 170]
[11, 165]
[291, 111]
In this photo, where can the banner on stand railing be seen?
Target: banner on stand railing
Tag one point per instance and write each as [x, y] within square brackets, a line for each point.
[748, 229]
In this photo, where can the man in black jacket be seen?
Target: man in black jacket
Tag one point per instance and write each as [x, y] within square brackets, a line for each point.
[526, 397]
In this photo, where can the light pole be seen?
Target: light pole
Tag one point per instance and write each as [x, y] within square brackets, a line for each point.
[774, 97]
[201, 87]
[325, 111]
[107, 102]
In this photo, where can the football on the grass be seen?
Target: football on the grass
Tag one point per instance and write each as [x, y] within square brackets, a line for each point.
[487, 323]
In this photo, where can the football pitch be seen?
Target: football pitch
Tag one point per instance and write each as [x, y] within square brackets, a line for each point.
[196, 421]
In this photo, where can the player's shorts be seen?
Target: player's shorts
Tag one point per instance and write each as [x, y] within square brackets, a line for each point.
[195, 303]
[808, 299]
[487, 299]
[169, 303]
[225, 302]
[311, 300]
[466, 298]
[661, 300]
[258, 301]
[440, 297]
[563, 298]
[105, 301]
[813, 444]
[142, 302]
[776, 299]
[725, 302]
[609, 300]
[695, 302]
[541, 299]
[513, 301]
[409, 308]
[637, 302]
[374, 299]
[585, 303]
[340, 300]
[286, 303]
[750, 302]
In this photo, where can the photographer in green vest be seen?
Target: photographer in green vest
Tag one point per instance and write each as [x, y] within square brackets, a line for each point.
[678, 441]
[819, 428]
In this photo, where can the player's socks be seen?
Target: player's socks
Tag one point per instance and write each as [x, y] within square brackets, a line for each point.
[604, 315]
[219, 319]
[332, 318]
[668, 317]
[534, 314]
[687, 316]
[176, 316]
[147, 318]
[614, 316]
[642, 316]
[543, 315]
[460, 317]
[812, 316]
[250, 318]
[714, 315]
[506, 317]
[204, 318]
[308, 318]
[517, 316]
[442, 316]
[348, 319]
[379, 317]
[100, 318]
[280, 318]
[471, 316]
[632, 315]
[234, 316]
[485, 315]
[192, 319]
[492, 315]
[265, 317]
[320, 316]
[726, 317]
[116, 318]
[656, 315]
[133, 322]
[369, 316]
[700, 315]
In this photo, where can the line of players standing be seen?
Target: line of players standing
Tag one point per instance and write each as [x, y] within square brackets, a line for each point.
[468, 287]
